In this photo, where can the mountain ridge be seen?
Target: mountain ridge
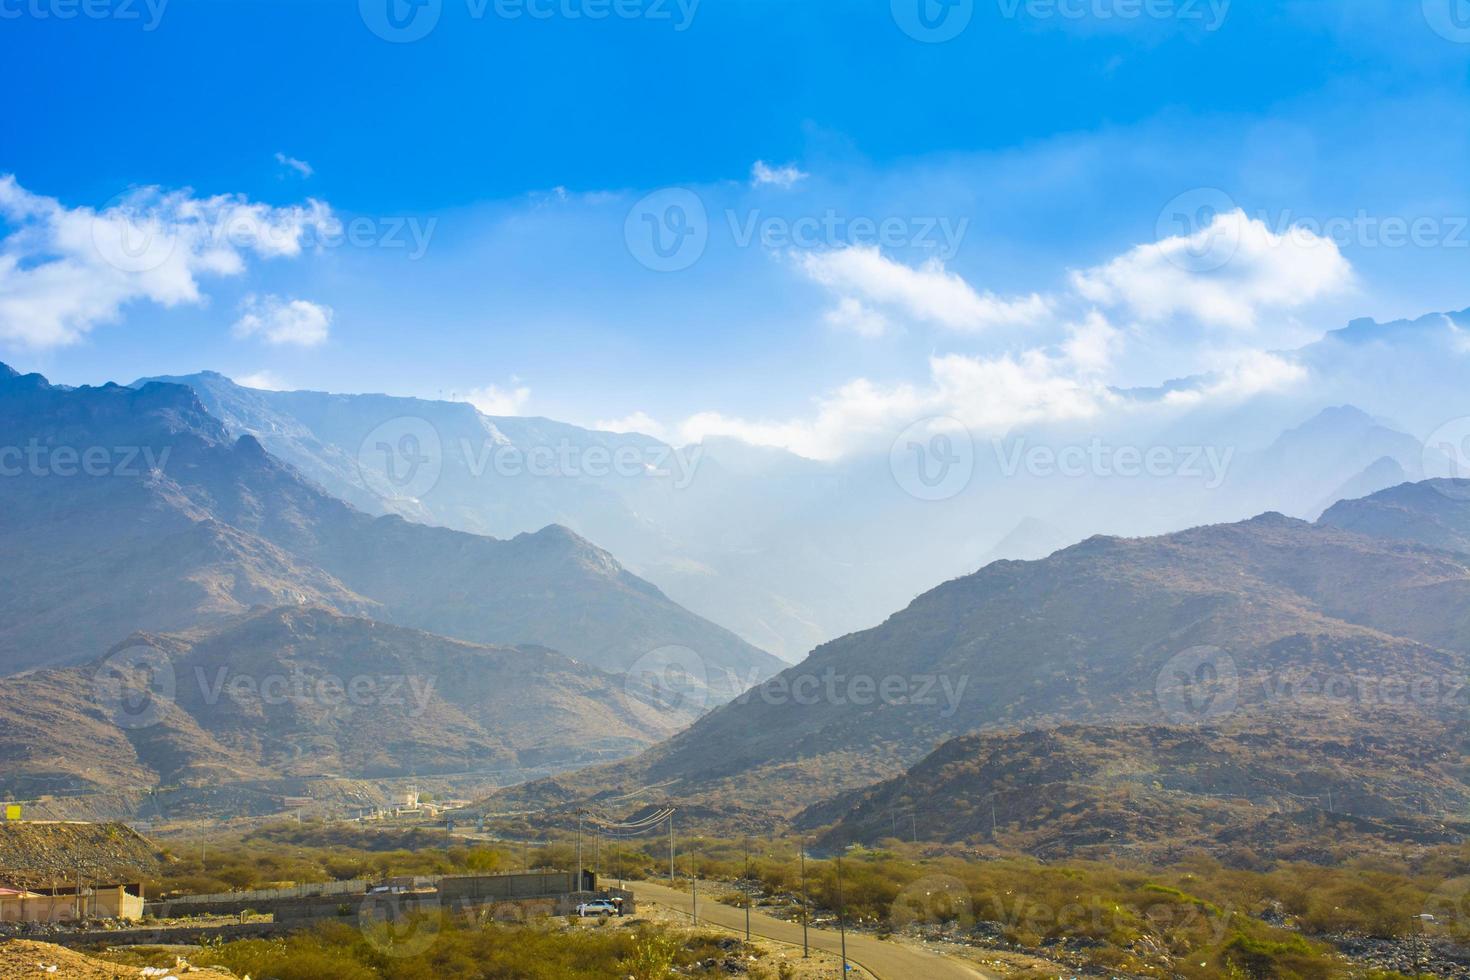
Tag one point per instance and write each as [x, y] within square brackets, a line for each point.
[1096, 633]
[247, 529]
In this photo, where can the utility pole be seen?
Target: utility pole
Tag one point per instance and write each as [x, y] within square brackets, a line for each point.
[580, 814]
[914, 826]
[841, 915]
[992, 817]
[747, 889]
[671, 849]
[597, 850]
[805, 910]
[694, 886]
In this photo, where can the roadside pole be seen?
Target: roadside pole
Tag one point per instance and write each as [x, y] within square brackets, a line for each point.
[747, 889]
[841, 915]
[805, 910]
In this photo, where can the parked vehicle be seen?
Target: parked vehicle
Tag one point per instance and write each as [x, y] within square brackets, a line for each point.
[597, 907]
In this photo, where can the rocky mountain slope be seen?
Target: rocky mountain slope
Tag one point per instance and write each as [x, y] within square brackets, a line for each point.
[1434, 513]
[1226, 624]
[300, 691]
[1156, 792]
[133, 509]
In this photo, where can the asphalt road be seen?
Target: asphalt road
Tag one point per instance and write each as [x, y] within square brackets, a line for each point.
[885, 960]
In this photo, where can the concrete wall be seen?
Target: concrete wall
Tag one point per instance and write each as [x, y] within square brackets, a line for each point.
[483, 889]
[110, 902]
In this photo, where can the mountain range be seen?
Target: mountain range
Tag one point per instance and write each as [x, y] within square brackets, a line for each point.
[1272, 791]
[1226, 625]
[790, 552]
[133, 509]
[297, 692]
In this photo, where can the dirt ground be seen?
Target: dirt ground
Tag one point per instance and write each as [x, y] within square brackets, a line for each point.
[39, 961]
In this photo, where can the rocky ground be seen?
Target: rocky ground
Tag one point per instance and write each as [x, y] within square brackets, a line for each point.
[1436, 957]
[36, 853]
[21, 958]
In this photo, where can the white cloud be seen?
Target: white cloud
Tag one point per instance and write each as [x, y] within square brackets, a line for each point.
[1459, 337]
[65, 270]
[1232, 274]
[1225, 274]
[785, 176]
[262, 381]
[639, 422]
[301, 167]
[282, 321]
[851, 314]
[1240, 376]
[989, 395]
[930, 293]
[496, 401]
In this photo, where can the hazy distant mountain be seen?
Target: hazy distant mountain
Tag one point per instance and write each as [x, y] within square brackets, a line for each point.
[217, 526]
[1306, 469]
[789, 552]
[1027, 541]
[1159, 793]
[1435, 513]
[302, 692]
[706, 523]
[1217, 623]
[1380, 475]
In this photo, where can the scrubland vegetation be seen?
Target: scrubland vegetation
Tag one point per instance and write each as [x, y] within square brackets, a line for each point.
[1198, 918]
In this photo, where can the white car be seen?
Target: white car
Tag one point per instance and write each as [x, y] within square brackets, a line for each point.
[599, 906]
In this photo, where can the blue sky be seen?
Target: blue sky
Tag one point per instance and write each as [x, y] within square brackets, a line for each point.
[494, 169]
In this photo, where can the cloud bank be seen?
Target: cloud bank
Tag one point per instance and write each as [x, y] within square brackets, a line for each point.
[64, 271]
